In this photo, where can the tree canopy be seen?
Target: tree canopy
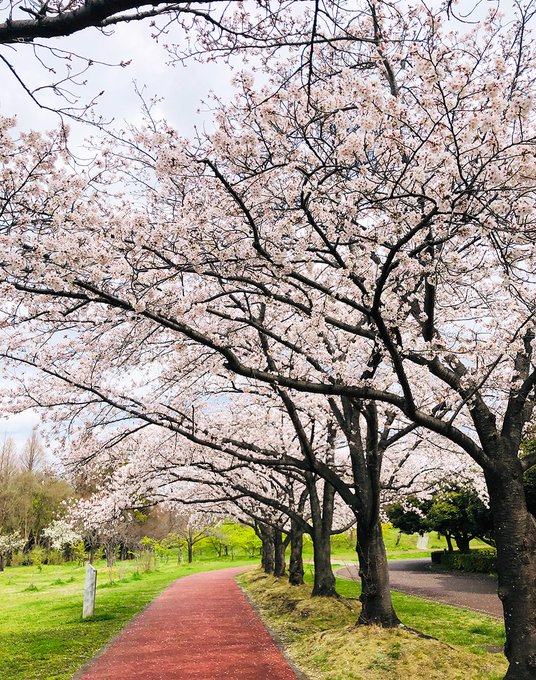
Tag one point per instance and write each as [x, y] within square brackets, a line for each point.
[347, 257]
[454, 510]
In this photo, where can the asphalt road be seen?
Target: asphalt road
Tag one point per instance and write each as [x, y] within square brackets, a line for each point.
[419, 577]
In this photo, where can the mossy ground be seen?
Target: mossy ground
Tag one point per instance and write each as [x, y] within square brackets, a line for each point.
[320, 635]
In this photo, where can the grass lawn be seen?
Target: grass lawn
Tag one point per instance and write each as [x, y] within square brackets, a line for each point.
[346, 558]
[321, 636]
[42, 632]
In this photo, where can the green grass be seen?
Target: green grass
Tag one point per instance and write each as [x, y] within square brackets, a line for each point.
[343, 545]
[351, 558]
[320, 635]
[403, 547]
[42, 632]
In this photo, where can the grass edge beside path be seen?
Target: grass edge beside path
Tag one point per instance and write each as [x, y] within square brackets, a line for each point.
[320, 636]
[41, 627]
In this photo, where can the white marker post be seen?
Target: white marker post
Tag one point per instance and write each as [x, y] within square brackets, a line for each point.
[422, 542]
[90, 591]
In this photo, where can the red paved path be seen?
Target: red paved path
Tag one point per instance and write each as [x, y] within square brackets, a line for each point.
[200, 628]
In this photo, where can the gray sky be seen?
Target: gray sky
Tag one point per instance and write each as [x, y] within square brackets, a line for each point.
[182, 88]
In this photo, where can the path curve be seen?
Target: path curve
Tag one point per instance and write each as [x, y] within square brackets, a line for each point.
[201, 627]
[419, 577]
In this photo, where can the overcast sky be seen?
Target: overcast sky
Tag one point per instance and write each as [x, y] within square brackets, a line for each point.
[181, 87]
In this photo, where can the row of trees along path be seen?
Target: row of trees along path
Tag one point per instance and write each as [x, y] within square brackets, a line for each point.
[356, 236]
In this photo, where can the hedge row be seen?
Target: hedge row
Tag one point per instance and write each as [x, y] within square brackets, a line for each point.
[477, 561]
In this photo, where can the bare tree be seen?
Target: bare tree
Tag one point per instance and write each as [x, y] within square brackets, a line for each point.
[7, 458]
[32, 457]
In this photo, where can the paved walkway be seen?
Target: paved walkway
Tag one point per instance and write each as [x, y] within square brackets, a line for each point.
[418, 577]
[200, 628]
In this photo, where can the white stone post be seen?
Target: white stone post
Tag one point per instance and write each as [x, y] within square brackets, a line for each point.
[90, 591]
[422, 542]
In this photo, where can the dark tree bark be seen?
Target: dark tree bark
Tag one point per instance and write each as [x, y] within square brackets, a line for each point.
[463, 542]
[322, 521]
[267, 550]
[515, 526]
[367, 445]
[279, 554]
[448, 538]
[93, 13]
[377, 606]
[324, 578]
[190, 552]
[295, 572]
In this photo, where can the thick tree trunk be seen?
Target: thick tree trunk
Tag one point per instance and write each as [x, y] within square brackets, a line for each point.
[295, 572]
[324, 580]
[279, 554]
[450, 547]
[463, 543]
[190, 553]
[377, 606]
[515, 535]
[322, 521]
[267, 550]
[1, 562]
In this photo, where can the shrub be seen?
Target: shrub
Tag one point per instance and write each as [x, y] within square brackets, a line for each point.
[38, 558]
[436, 556]
[18, 559]
[146, 554]
[481, 561]
[79, 552]
[55, 557]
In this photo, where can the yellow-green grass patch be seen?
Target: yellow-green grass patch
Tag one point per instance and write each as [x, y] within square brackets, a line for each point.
[321, 637]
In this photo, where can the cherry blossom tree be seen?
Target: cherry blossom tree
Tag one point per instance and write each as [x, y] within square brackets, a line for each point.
[202, 30]
[9, 543]
[366, 456]
[29, 20]
[377, 234]
[298, 443]
[236, 477]
[61, 534]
